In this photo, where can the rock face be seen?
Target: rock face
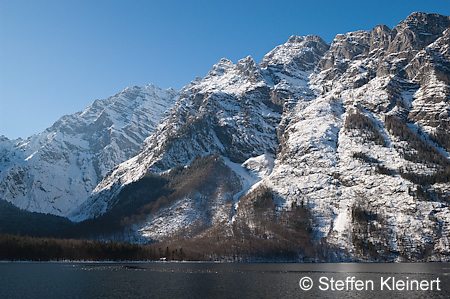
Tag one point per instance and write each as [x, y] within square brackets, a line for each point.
[233, 111]
[56, 170]
[348, 142]
[350, 150]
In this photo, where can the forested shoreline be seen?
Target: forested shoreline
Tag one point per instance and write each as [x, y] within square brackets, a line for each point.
[25, 248]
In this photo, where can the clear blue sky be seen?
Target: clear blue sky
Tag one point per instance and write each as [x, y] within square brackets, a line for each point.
[56, 57]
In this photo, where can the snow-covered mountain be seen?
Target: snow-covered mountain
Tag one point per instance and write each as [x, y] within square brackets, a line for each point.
[56, 170]
[335, 152]
[350, 150]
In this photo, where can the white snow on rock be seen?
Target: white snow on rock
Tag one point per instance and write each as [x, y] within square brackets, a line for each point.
[56, 170]
[280, 123]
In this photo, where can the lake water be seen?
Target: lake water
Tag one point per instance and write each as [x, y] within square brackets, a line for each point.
[230, 280]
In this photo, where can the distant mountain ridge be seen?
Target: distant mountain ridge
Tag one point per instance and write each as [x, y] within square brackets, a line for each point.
[322, 151]
[55, 171]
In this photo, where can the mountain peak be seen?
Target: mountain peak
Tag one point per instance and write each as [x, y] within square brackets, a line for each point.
[298, 53]
[247, 67]
[221, 67]
[379, 29]
[428, 23]
[422, 17]
[295, 39]
[247, 61]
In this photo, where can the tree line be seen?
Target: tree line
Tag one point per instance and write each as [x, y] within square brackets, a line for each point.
[424, 153]
[20, 248]
[362, 123]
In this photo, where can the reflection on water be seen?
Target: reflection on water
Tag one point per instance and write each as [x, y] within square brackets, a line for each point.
[213, 280]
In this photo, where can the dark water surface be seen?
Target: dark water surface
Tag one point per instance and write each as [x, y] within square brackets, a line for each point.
[213, 280]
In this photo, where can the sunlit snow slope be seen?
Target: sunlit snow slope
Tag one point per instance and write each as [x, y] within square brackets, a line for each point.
[56, 170]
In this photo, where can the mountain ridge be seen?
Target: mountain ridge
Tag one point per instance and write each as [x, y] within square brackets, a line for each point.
[67, 159]
[342, 145]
